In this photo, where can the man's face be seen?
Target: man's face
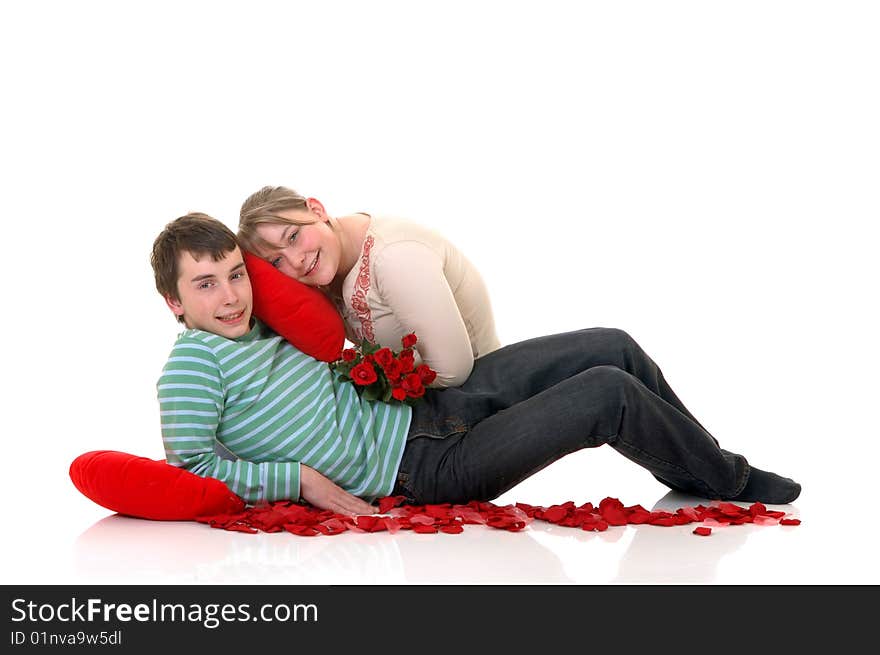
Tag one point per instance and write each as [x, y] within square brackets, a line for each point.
[214, 296]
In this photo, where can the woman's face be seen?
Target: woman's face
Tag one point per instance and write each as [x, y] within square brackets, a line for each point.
[308, 253]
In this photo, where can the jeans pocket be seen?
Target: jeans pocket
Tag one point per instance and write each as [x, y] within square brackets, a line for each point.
[438, 428]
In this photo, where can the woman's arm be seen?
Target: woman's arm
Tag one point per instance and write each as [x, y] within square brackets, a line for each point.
[410, 278]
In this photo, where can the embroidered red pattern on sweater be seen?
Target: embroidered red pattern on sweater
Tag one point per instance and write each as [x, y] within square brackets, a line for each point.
[359, 297]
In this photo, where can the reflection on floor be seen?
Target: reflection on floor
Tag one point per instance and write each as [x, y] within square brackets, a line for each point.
[119, 549]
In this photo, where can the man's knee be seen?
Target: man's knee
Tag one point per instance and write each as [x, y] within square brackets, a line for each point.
[615, 342]
[611, 383]
[622, 340]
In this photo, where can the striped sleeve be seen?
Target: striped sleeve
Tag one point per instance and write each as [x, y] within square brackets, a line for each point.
[191, 401]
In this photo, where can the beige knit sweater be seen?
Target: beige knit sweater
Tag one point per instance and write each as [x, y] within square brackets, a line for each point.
[410, 279]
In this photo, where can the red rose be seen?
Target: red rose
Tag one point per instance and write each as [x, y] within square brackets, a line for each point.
[409, 340]
[426, 374]
[398, 393]
[383, 357]
[363, 374]
[349, 354]
[369, 359]
[412, 384]
[407, 361]
[393, 370]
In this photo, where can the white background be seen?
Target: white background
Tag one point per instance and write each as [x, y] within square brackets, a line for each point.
[703, 175]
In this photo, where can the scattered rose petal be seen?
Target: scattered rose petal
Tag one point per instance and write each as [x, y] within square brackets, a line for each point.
[307, 521]
[469, 515]
[391, 524]
[715, 523]
[703, 532]
[730, 509]
[689, 512]
[421, 519]
[665, 521]
[765, 520]
[554, 514]
[242, 528]
[388, 502]
[369, 523]
[424, 529]
[437, 511]
[301, 530]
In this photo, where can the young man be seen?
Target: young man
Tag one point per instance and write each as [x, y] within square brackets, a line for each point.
[240, 404]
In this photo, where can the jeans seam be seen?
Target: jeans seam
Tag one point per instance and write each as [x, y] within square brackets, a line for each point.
[460, 428]
[663, 461]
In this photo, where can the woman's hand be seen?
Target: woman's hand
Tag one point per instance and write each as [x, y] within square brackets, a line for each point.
[325, 494]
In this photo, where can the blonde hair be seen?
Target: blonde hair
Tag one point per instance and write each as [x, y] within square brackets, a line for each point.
[261, 208]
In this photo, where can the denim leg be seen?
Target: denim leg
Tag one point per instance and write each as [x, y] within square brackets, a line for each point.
[602, 404]
[519, 371]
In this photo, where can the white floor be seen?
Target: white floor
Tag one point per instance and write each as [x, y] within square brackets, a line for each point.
[71, 540]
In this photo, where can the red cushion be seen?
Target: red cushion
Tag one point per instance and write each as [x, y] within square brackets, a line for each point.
[299, 313]
[149, 489]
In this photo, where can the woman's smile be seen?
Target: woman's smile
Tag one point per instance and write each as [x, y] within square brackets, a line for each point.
[314, 264]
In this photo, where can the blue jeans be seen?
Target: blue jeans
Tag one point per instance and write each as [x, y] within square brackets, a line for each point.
[528, 404]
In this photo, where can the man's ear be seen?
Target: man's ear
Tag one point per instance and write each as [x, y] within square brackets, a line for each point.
[174, 305]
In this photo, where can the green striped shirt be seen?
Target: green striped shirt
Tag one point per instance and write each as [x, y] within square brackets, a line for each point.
[273, 407]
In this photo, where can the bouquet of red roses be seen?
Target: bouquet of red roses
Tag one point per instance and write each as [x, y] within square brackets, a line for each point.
[381, 374]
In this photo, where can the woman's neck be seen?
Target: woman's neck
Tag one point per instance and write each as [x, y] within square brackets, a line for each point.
[353, 231]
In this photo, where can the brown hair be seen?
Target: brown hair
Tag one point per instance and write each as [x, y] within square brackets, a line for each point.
[262, 208]
[195, 233]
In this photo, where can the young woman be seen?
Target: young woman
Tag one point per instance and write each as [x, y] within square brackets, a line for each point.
[387, 276]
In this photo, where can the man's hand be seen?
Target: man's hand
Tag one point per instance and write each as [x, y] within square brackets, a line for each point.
[325, 494]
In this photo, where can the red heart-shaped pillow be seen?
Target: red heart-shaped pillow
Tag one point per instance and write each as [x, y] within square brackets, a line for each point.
[149, 489]
[299, 313]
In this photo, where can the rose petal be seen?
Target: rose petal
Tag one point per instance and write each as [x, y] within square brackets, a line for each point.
[421, 519]
[388, 502]
[703, 532]
[424, 529]
[366, 522]
[438, 511]
[729, 509]
[468, 515]
[554, 514]
[665, 521]
[305, 520]
[715, 523]
[765, 520]
[391, 524]
[689, 512]
[301, 530]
